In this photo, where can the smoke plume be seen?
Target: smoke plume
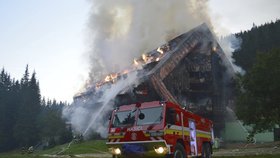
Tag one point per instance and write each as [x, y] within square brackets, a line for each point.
[229, 44]
[121, 30]
[90, 115]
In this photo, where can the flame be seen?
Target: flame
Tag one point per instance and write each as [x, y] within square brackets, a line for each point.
[107, 78]
[135, 62]
[111, 78]
[144, 57]
[160, 51]
[98, 85]
[214, 49]
[157, 59]
[125, 72]
[114, 76]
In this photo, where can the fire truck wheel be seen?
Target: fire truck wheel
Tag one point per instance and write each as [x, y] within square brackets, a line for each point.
[206, 151]
[179, 151]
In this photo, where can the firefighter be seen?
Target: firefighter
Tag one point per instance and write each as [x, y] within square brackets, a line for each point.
[30, 150]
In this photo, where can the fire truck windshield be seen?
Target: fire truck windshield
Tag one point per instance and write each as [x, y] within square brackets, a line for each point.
[124, 118]
[152, 116]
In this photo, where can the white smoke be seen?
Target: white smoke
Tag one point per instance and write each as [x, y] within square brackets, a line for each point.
[121, 30]
[86, 118]
[229, 44]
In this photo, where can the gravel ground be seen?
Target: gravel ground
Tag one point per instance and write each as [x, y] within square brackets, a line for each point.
[241, 149]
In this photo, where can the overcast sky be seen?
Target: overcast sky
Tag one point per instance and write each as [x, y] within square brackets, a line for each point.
[50, 36]
[237, 15]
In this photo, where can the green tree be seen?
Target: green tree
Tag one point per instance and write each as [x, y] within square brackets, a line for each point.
[259, 39]
[258, 103]
[5, 83]
[25, 118]
[52, 126]
[9, 97]
[26, 129]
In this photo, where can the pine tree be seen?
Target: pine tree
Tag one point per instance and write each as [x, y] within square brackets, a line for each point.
[25, 118]
[4, 136]
[9, 95]
[52, 125]
[26, 129]
[259, 39]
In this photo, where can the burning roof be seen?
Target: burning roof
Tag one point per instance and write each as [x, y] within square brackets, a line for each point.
[165, 58]
[191, 70]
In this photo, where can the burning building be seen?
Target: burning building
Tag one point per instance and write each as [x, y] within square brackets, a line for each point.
[191, 70]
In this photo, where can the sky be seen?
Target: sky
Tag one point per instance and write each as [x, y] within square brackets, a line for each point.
[51, 37]
[237, 15]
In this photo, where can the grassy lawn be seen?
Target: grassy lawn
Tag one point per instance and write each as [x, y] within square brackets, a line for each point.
[87, 147]
[17, 154]
[93, 146]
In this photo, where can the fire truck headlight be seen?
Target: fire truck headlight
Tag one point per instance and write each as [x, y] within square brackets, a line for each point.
[160, 150]
[117, 151]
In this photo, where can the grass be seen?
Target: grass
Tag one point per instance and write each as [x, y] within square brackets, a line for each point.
[53, 150]
[17, 154]
[87, 147]
[94, 146]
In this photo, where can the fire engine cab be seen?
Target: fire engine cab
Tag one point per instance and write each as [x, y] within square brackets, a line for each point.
[158, 129]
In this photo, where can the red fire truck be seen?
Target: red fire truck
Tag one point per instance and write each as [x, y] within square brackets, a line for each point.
[158, 129]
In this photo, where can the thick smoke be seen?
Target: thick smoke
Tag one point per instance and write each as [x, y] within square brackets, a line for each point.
[121, 30]
[89, 116]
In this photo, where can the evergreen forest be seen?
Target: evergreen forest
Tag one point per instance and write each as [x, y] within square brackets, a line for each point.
[27, 119]
[258, 100]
